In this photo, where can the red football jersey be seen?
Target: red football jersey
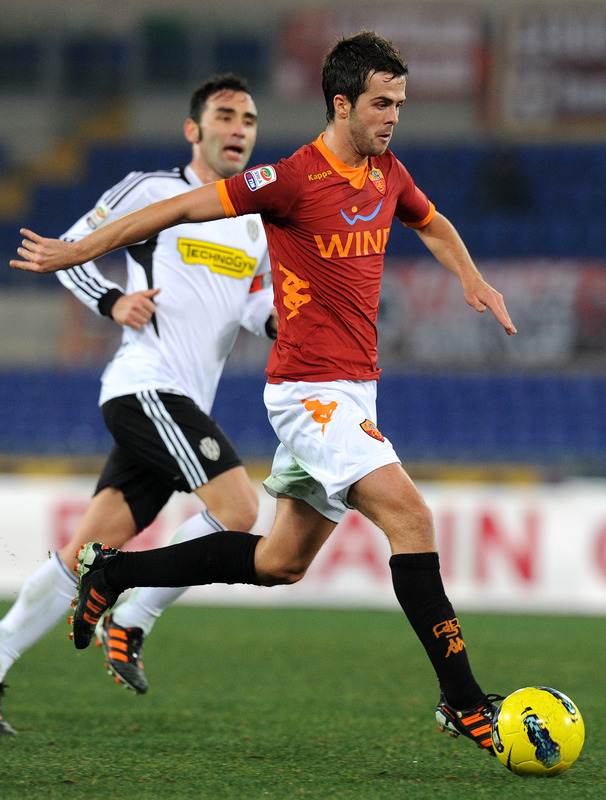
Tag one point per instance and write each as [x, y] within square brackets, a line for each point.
[327, 226]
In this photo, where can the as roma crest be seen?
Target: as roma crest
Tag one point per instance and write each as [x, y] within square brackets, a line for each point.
[376, 176]
[371, 429]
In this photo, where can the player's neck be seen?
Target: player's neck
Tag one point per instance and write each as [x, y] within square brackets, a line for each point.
[342, 149]
[204, 172]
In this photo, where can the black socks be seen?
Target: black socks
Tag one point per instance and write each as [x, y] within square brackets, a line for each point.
[229, 557]
[221, 557]
[418, 586]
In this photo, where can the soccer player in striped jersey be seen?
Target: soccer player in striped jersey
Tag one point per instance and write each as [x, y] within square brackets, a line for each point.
[327, 211]
[189, 289]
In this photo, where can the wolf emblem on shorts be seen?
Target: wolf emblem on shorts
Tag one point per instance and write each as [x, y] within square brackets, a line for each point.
[371, 429]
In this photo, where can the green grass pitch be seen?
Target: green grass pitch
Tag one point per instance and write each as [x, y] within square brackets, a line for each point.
[246, 704]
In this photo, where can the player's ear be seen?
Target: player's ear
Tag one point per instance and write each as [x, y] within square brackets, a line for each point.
[192, 131]
[342, 106]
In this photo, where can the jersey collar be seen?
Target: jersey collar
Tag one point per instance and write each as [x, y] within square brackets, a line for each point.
[355, 175]
[191, 177]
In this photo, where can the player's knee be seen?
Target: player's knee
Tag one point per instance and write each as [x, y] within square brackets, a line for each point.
[282, 575]
[422, 518]
[248, 512]
[239, 514]
[412, 529]
[246, 518]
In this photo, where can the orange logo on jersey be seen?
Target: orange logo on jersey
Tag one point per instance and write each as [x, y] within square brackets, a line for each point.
[371, 429]
[318, 176]
[321, 412]
[376, 176]
[356, 243]
[292, 286]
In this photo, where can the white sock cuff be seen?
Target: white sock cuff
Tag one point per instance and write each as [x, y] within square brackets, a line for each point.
[199, 525]
[67, 577]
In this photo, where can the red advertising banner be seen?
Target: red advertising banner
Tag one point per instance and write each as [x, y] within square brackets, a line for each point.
[502, 547]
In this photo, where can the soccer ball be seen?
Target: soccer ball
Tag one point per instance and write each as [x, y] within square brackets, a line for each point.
[538, 731]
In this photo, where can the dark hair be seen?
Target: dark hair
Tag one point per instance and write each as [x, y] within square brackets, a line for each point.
[218, 83]
[352, 61]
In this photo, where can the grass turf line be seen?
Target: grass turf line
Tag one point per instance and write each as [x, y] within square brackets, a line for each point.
[287, 703]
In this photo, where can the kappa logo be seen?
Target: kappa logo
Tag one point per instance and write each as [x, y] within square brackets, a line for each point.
[371, 429]
[320, 412]
[292, 285]
[451, 631]
[318, 176]
[258, 177]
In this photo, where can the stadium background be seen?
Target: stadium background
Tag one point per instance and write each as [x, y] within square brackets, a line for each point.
[504, 130]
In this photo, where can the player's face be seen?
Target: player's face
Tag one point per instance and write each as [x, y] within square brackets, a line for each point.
[228, 131]
[371, 121]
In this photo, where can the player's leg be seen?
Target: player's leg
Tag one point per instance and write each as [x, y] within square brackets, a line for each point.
[298, 533]
[330, 428]
[46, 596]
[176, 445]
[388, 497]
[223, 557]
[44, 599]
[108, 517]
[144, 606]
[231, 498]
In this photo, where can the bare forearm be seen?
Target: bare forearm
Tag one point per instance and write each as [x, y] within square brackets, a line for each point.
[442, 239]
[147, 222]
[51, 255]
[132, 228]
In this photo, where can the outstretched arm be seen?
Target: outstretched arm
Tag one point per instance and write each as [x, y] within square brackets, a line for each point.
[50, 255]
[441, 238]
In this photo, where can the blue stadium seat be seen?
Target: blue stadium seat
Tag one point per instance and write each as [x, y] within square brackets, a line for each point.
[95, 64]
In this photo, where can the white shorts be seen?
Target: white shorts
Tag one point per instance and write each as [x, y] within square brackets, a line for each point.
[328, 441]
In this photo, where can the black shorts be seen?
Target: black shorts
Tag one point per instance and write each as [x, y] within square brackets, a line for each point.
[163, 443]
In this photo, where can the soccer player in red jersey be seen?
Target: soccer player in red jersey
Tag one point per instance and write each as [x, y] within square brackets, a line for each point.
[327, 212]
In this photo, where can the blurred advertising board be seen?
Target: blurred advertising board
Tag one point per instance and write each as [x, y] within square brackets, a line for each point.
[554, 64]
[445, 50]
[531, 548]
[558, 307]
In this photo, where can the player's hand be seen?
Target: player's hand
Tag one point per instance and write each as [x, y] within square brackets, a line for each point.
[480, 295]
[136, 309]
[44, 255]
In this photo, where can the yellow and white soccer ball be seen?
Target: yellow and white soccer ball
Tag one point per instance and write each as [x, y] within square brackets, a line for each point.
[538, 731]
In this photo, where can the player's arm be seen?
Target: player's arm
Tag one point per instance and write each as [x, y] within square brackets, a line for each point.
[442, 239]
[106, 299]
[86, 281]
[50, 255]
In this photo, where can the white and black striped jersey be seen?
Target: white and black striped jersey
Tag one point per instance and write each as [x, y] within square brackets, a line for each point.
[214, 277]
